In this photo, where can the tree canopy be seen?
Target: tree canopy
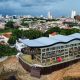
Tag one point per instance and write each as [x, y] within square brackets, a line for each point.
[51, 30]
[12, 40]
[30, 34]
[12, 25]
[9, 24]
[5, 50]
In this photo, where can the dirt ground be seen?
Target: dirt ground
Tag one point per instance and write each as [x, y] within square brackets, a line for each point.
[12, 67]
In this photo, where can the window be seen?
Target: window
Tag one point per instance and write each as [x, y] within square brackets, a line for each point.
[66, 52]
[79, 48]
[43, 61]
[47, 54]
[62, 47]
[48, 60]
[54, 59]
[62, 50]
[53, 48]
[75, 44]
[66, 46]
[53, 54]
[43, 50]
[66, 49]
[43, 54]
[57, 47]
[75, 53]
[71, 45]
[47, 49]
[75, 47]
[66, 55]
[71, 54]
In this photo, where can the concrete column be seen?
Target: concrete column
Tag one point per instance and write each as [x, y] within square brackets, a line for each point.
[41, 55]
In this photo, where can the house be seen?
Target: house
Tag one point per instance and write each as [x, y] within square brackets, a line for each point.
[2, 25]
[7, 34]
[3, 39]
[52, 34]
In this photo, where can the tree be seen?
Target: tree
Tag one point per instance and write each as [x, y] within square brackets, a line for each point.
[9, 24]
[32, 34]
[17, 33]
[74, 30]
[23, 23]
[51, 30]
[5, 50]
[12, 40]
[63, 32]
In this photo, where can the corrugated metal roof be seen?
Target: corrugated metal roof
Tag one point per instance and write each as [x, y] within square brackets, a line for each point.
[46, 41]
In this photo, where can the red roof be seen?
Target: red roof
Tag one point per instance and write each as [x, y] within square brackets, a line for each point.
[54, 33]
[8, 34]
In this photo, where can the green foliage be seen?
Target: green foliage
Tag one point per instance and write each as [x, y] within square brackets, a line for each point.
[31, 34]
[18, 33]
[12, 40]
[61, 31]
[7, 51]
[9, 24]
[74, 30]
[23, 23]
[69, 31]
[4, 30]
[66, 31]
[51, 30]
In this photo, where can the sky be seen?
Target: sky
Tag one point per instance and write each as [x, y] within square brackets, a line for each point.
[39, 7]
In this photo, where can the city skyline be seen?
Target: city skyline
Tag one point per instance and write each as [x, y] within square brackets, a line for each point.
[39, 7]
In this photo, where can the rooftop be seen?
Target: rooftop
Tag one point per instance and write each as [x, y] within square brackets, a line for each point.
[47, 41]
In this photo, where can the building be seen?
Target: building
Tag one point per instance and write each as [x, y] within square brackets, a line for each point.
[77, 17]
[73, 14]
[19, 46]
[52, 34]
[46, 52]
[2, 25]
[3, 39]
[7, 34]
[49, 15]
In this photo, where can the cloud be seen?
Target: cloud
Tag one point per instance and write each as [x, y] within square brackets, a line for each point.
[28, 3]
[18, 5]
[37, 7]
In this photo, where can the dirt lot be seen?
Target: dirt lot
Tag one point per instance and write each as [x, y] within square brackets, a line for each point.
[12, 67]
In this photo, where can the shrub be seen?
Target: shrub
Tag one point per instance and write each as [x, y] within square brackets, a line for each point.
[5, 50]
